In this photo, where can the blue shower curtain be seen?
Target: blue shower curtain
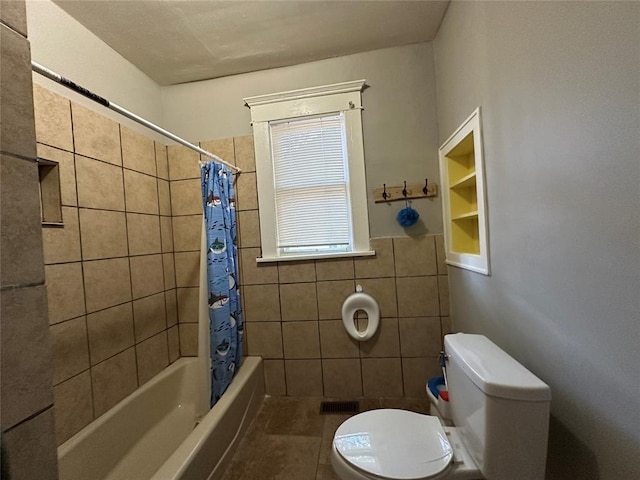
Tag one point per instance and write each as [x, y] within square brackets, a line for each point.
[225, 311]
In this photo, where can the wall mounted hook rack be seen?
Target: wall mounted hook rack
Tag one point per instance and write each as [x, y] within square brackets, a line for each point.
[405, 192]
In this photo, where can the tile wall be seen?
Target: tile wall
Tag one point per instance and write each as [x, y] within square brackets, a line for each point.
[293, 309]
[110, 270]
[28, 444]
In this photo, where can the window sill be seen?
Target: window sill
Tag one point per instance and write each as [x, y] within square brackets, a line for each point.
[293, 258]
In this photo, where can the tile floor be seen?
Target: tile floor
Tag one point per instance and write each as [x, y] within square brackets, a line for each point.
[290, 440]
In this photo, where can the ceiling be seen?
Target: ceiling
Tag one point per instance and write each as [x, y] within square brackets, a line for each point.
[185, 41]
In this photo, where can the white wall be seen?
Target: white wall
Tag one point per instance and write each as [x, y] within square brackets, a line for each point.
[63, 45]
[559, 85]
[399, 120]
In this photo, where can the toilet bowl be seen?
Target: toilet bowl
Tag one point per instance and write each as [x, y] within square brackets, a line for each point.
[395, 444]
[500, 411]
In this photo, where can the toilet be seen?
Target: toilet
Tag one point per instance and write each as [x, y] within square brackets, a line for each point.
[500, 413]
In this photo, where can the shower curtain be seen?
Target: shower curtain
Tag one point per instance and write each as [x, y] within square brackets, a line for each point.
[225, 312]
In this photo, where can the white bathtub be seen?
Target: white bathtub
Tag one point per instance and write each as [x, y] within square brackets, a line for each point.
[150, 435]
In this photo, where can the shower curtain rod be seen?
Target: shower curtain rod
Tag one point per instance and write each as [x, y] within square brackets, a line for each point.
[36, 67]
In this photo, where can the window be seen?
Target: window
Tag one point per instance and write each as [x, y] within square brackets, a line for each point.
[310, 171]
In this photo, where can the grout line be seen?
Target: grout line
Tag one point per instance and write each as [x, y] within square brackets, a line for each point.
[26, 419]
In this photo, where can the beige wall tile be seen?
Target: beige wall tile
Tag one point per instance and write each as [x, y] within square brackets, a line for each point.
[144, 234]
[21, 241]
[382, 377]
[299, 301]
[446, 326]
[188, 339]
[248, 229]
[99, 184]
[53, 118]
[104, 234]
[95, 136]
[17, 130]
[138, 152]
[149, 316]
[152, 356]
[70, 349]
[186, 197]
[334, 269]
[222, 147]
[301, 339]
[246, 192]
[67, 170]
[113, 380]
[261, 303]
[171, 306]
[65, 291]
[274, 381]
[110, 332]
[187, 233]
[384, 292]
[147, 275]
[14, 15]
[416, 373]
[415, 256]
[30, 446]
[166, 234]
[162, 162]
[173, 341]
[254, 273]
[418, 296]
[141, 193]
[183, 162]
[187, 269]
[188, 304]
[420, 337]
[169, 271]
[331, 296]
[342, 377]
[106, 283]
[245, 155]
[264, 339]
[164, 197]
[62, 244]
[73, 406]
[381, 265]
[335, 341]
[443, 292]
[441, 256]
[304, 378]
[25, 354]
[386, 341]
[297, 272]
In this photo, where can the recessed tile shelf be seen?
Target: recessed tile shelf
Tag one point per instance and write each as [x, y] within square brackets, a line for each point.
[464, 209]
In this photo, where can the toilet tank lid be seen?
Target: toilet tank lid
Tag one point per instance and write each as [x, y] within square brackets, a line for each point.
[493, 370]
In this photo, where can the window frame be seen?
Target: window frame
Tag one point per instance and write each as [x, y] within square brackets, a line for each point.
[294, 105]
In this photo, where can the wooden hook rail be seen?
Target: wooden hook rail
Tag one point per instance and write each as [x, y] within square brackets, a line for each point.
[395, 193]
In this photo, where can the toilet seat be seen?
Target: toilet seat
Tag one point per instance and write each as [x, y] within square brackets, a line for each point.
[394, 444]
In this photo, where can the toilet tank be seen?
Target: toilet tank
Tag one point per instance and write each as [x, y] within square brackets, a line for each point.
[500, 408]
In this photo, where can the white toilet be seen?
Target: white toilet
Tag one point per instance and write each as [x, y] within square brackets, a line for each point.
[500, 412]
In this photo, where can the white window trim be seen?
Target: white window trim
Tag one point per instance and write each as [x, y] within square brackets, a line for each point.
[340, 97]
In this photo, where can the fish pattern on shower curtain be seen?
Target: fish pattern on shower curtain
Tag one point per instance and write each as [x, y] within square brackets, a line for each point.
[226, 325]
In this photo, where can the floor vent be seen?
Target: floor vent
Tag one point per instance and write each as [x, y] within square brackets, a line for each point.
[327, 408]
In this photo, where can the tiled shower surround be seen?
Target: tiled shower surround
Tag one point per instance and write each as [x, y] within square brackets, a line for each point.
[122, 278]
[109, 271]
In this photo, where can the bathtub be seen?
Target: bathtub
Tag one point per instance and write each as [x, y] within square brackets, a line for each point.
[152, 434]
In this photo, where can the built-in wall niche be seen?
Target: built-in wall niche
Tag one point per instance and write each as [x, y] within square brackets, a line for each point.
[50, 197]
[464, 206]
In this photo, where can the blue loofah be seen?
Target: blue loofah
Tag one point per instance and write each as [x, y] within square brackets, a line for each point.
[407, 217]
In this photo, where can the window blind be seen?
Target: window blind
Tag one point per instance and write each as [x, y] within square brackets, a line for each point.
[311, 184]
